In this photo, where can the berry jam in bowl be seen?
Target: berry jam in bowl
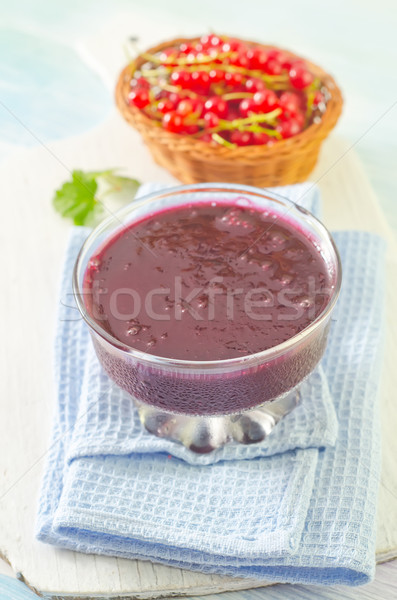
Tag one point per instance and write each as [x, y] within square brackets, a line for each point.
[209, 304]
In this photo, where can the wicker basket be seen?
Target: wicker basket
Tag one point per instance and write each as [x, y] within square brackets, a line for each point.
[192, 161]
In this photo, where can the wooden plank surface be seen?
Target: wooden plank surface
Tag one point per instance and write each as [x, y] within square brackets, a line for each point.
[384, 588]
[35, 238]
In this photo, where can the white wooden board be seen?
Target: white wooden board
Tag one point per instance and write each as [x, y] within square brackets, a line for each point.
[33, 240]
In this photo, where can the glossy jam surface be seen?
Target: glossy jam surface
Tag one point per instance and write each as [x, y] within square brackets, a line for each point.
[207, 282]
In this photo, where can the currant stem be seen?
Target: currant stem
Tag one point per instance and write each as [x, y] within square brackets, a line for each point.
[220, 140]
[262, 118]
[173, 88]
[257, 129]
[237, 96]
[275, 79]
[205, 59]
[244, 124]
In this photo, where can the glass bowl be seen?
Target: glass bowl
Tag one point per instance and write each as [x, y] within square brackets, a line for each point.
[205, 404]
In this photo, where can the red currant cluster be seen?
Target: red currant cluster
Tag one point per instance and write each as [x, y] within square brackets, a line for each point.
[225, 91]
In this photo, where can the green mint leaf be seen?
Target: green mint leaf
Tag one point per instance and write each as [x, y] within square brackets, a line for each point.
[78, 200]
[118, 183]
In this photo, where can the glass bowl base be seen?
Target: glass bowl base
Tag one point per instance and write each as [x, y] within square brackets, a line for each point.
[203, 434]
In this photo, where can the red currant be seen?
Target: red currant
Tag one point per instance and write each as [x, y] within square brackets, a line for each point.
[254, 85]
[185, 107]
[257, 58]
[140, 82]
[277, 55]
[172, 121]
[168, 56]
[174, 98]
[234, 80]
[211, 120]
[200, 80]
[186, 48]
[289, 128]
[139, 97]
[247, 106]
[297, 116]
[318, 98]
[181, 78]
[272, 67]
[290, 105]
[216, 75]
[207, 137]
[165, 106]
[232, 114]
[198, 106]
[251, 54]
[231, 45]
[300, 77]
[191, 106]
[192, 129]
[240, 60]
[241, 138]
[265, 101]
[291, 61]
[210, 40]
[300, 118]
[217, 105]
[290, 100]
[260, 138]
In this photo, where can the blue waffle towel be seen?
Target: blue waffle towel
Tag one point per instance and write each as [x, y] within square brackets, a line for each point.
[302, 510]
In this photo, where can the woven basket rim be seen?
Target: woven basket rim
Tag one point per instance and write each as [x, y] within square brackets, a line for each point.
[149, 128]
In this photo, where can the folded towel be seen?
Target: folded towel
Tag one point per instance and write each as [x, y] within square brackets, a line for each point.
[294, 515]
